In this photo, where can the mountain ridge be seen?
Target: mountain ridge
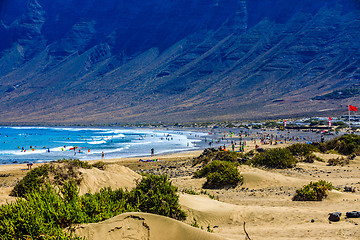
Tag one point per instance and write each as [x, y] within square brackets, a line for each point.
[176, 61]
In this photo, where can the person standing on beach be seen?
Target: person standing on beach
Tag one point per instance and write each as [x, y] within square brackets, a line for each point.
[152, 151]
[29, 165]
[102, 155]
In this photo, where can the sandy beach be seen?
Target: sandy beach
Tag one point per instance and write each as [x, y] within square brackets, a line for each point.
[264, 202]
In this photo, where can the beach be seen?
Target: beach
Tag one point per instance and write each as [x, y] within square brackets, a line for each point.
[263, 203]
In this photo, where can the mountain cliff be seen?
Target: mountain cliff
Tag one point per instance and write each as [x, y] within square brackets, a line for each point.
[181, 60]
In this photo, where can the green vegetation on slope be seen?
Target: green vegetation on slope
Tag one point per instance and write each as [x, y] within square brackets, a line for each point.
[54, 173]
[314, 191]
[47, 210]
[219, 174]
[275, 158]
[346, 144]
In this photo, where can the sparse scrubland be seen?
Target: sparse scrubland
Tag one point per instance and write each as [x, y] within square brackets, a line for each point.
[45, 210]
[54, 173]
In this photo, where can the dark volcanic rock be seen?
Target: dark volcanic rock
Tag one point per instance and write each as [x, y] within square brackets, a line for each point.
[334, 217]
[175, 60]
[353, 214]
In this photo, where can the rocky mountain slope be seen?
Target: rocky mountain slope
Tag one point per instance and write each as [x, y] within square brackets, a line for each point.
[138, 61]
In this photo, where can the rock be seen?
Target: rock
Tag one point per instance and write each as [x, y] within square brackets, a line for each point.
[312, 220]
[349, 189]
[334, 217]
[353, 214]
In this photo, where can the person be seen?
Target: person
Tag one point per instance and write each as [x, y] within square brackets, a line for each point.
[102, 154]
[29, 165]
[152, 151]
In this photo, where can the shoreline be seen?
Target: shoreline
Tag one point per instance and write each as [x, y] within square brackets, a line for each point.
[130, 147]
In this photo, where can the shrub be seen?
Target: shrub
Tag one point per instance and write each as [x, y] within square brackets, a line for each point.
[229, 156]
[100, 165]
[275, 158]
[211, 154]
[55, 173]
[219, 174]
[195, 223]
[207, 155]
[156, 194]
[45, 212]
[338, 161]
[313, 192]
[75, 163]
[204, 192]
[301, 149]
[190, 191]
[310, 158]
[32, 181]
[346, 144]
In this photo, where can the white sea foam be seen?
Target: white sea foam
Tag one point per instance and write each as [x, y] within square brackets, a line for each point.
[97, 142]
[66, 142]
[29, 152]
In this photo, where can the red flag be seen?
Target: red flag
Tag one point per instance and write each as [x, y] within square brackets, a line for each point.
[352, 108]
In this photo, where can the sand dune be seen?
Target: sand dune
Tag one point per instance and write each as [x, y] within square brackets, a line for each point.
[290, 221]
[258, 178]
[114, 176]
[142, 226]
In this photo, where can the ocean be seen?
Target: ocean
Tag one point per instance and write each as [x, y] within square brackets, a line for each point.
[43, 144]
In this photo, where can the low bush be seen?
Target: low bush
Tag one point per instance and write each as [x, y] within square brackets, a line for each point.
[56, 173]
[220, 174]
[32, 181]
[275, 158]
[310, 158]
[204, 192]
[212, 154]
[229, 156]
[100, 165]
[315, 191]
[302, 149]
[346, 144]
[190, 191]
[75, 163]
[45, 212]
[338, 161]
[156, 194]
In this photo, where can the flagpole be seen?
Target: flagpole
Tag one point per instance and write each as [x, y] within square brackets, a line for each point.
[349, 121]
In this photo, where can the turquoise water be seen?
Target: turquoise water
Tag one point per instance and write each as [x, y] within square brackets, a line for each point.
[42, 144]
